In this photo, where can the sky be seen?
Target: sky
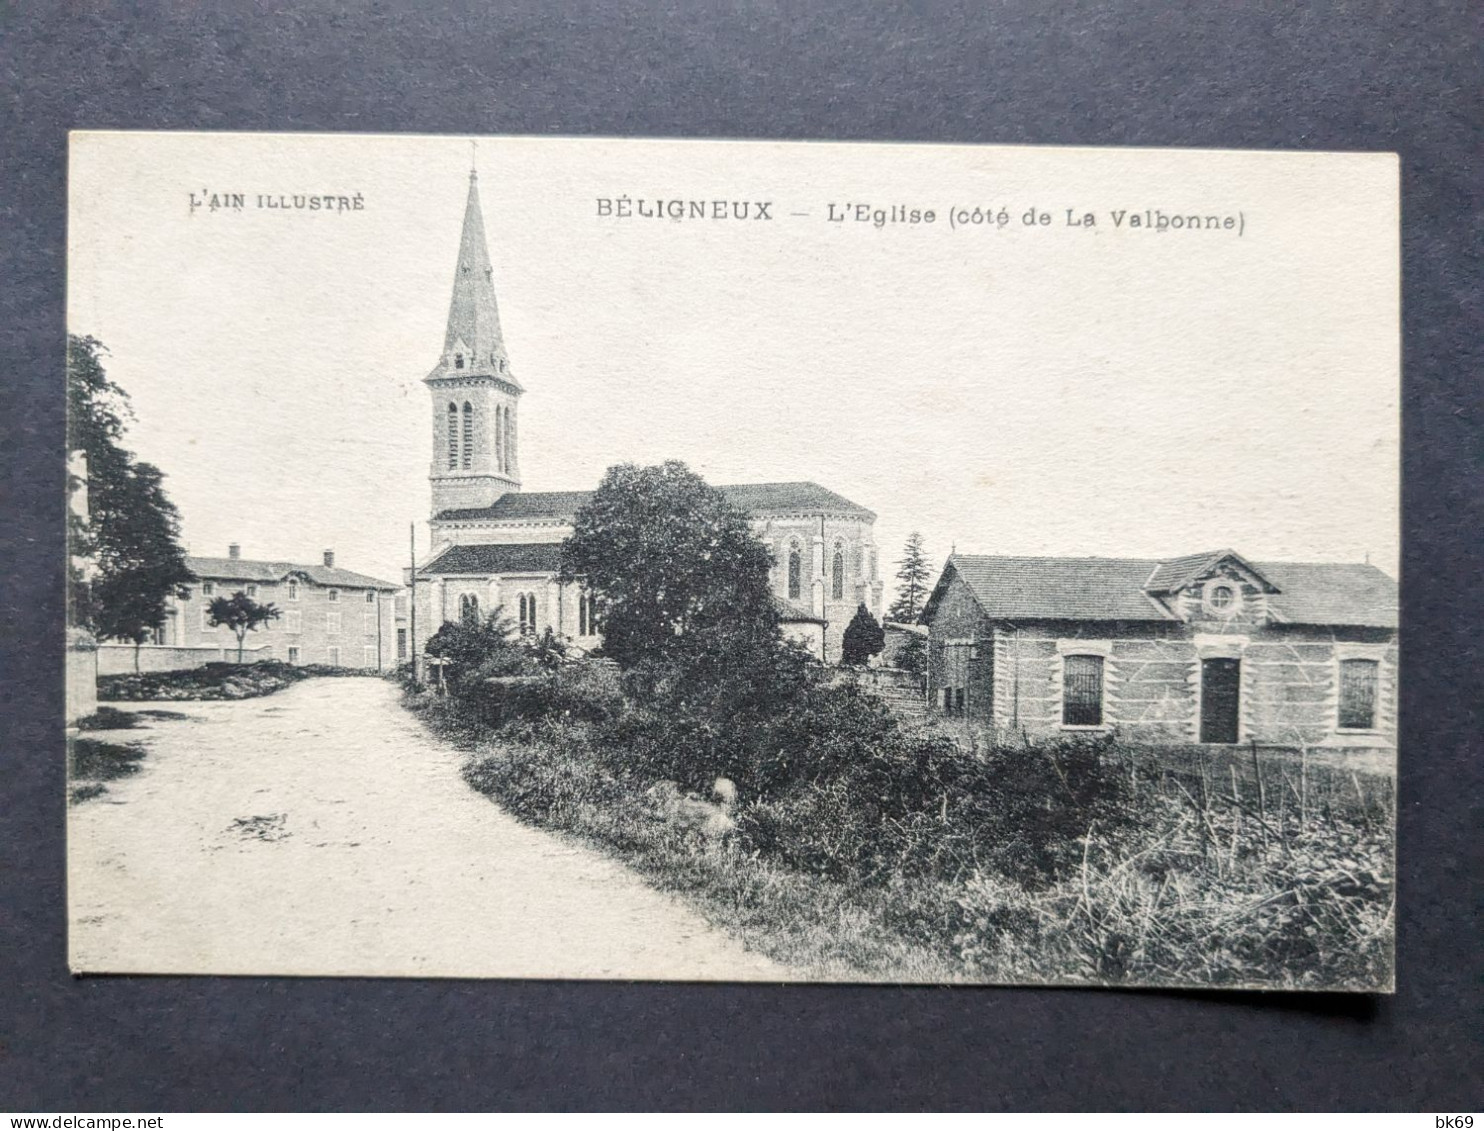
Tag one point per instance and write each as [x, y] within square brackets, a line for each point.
[1018, 389]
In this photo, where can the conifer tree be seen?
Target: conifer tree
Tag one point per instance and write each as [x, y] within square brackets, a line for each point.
[913, 575]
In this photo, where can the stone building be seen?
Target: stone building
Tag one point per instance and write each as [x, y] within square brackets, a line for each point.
[1208, 648]
[327, 615]
[494, 544]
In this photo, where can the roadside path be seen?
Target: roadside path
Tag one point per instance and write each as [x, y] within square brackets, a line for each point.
[322, 831]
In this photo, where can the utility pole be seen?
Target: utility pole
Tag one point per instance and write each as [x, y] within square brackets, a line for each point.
[412, 595]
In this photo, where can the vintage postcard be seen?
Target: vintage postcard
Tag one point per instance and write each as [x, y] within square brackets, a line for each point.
[574, 558]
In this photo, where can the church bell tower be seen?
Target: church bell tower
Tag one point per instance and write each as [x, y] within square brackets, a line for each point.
[475, 395]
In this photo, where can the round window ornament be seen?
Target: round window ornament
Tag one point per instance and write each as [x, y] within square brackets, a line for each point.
[1223, 597]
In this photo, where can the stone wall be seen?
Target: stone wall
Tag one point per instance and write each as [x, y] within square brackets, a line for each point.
[118, 659]
[82, 675]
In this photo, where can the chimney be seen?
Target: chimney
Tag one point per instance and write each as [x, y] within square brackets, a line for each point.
[234, 551]
[329, 557]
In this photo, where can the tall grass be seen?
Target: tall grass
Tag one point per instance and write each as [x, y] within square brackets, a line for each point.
[1080, 862]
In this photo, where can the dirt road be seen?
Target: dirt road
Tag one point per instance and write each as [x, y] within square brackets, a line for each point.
[322, 831]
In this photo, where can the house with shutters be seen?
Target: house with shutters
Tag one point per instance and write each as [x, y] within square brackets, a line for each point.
[327, 615]
[495, 544]
[1207, 648]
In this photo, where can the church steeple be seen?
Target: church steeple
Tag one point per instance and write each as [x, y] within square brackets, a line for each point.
[473, 341]
[475, 395]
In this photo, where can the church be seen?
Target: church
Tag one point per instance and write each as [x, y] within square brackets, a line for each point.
[496, 545]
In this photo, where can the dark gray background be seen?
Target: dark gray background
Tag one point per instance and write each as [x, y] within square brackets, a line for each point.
[1352, 76]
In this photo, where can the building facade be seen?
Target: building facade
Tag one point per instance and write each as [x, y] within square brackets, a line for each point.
[327, 615]
[1208, 648]
[495, 545]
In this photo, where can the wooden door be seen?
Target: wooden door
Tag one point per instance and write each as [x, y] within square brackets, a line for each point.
[1221, 695]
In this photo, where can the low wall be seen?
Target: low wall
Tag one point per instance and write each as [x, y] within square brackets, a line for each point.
[82, 676]
[118, 659]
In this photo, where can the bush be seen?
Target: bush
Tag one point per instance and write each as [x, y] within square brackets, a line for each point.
[880, 801]
[476, 651]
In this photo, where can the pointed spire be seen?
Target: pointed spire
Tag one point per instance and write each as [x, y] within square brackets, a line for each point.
[473, 333]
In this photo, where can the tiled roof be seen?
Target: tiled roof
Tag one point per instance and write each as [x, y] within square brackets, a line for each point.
[244, 569]
[521, 557]
[1058, 588]
[1177, 573]
[1331, 593]
[516, 505]
[1314, 593]
[796, 612]
[754, 498]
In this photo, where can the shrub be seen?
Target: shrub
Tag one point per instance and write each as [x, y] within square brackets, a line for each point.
[878, 801]
[864, 638]
[475, 651]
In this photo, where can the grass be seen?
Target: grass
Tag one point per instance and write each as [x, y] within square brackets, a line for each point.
[1234, 868]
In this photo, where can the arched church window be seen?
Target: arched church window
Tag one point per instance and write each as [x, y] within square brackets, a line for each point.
[527, 614]
[509, 442]
[499, 442]
[795, 573]
[837, 574]
[453, 436]
[469, 608]
[468, 435]
[458, 361]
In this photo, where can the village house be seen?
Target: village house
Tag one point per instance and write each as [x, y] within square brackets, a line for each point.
[327, 615]
[1207, 648]
[495, 545]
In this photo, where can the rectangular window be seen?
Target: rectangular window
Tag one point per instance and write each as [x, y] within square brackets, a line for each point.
[293, 655]
[1358, 683]
[293, 621]
[368, 657]
[1082, 691]
[293, 590]
[334, 657]
[333, 595]
[206, 625]
[368, 622]
[332, 622]
[252, 590]
[371, 596]
[207, 589]
[401, 643]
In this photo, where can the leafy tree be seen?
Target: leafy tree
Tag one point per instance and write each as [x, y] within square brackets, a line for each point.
[241, 614]
[674, 567]
[913, 575]
[477, 649]
[864, 637]
[132, 530]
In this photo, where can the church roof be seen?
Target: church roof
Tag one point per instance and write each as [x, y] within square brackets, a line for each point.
[244, 569]
[1114, 589]
[754, 498]
[473, 314]
[517, 557]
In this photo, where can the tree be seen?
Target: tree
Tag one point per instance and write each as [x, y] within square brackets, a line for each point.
[674, 567]
[241, 614]
[132, 530]
[913, 574]
[477, 649]
[864, 638]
